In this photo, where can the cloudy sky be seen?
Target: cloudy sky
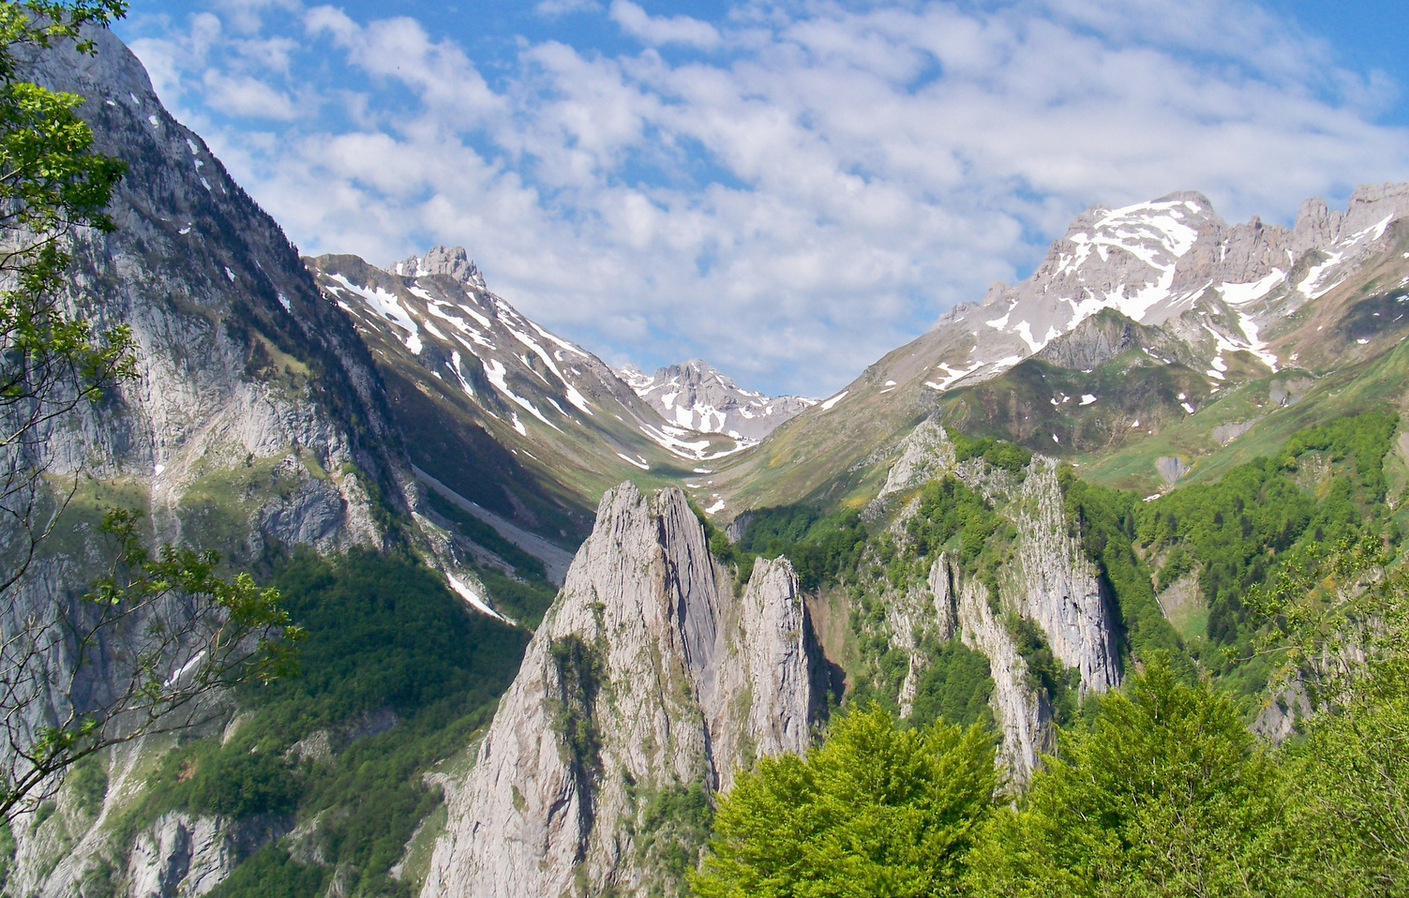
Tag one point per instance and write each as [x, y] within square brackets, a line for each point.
[787, 189]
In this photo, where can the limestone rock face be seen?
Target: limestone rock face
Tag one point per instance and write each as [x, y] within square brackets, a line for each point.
[925, 454]
[1050, 582]
[1059, 587]
[252, 390]
[1023, 713]
[452, 261]
[646, 675]
[181, 855]
[257, 418]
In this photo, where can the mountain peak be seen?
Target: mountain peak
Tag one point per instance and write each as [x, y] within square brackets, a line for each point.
[695, 395]
[448, 260]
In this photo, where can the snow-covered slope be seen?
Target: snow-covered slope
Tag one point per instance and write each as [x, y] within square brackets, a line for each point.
[1183, 305]
[694, 395]
[465, 357]
[1171, 262]
[1156, 262]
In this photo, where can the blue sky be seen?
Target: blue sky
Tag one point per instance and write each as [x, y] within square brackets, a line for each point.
[787, 189]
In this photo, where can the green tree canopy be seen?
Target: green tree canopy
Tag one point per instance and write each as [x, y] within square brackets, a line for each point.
[1168, 794]
[873, 811]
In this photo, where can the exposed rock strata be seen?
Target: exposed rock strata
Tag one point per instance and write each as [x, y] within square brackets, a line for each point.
[647, 674]
[1051, 582]
[1057, 585]
[181, 855]
[1024, 713]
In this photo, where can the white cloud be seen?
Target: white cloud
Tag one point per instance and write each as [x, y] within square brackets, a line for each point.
[798, 204]
[658, 30]
[241, 95]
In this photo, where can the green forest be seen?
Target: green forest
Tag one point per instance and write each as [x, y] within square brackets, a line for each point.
[1158, 788]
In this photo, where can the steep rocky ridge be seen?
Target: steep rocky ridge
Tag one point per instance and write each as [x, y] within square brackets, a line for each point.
[247, 378]
[1058, 586]
[549, 426]
[963, 607]
[1048, 580]
[694, 395]
[258, 423]
[647, 675]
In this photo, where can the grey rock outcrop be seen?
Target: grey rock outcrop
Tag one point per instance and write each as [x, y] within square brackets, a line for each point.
[452, 261]
[646, 675]
[242, 366]
[1023, 712]
[1049, 581]
[182, 855]
[257, 418]
[926, 453]
[1058, 585]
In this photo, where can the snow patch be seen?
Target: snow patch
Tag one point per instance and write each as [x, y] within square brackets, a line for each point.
[184, 669]
[455, 367]
[495, 371]
[473, 598]
[388, 307]
[954, 375]
[1087, 399]
[1242, 294]
[831, 403]
[1024, 330]
[640, 464]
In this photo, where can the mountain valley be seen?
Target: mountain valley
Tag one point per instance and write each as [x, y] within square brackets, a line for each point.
[554, 613]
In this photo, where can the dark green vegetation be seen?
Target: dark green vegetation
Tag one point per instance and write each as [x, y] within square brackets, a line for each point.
[1167, 793]
[1159, 788]
[1163, 793]
[956, 686]
[821, 546]
[396, 675]
[526, 594]
[872, 811]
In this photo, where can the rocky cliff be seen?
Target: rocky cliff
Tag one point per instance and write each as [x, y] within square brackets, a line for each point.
[1048, 580]
[257, 414]
[1022, 710]
[257, 421]
[648, 676]
[1056, 585]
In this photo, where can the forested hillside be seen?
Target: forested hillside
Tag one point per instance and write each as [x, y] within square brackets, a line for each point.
[1270, 593]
